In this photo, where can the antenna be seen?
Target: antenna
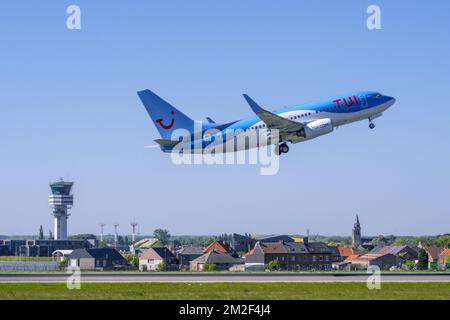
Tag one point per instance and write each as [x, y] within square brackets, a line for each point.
[102, 226]
[116, 227]
[134, 226]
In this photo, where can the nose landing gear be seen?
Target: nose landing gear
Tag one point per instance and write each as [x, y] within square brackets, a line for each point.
[371, 125]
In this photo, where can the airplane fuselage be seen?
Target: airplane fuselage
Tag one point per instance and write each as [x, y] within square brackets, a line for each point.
[318, 118]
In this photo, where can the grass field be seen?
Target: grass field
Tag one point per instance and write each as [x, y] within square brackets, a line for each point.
[138, 291]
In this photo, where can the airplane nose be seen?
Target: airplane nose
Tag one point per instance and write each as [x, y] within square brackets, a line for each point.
[391, 100]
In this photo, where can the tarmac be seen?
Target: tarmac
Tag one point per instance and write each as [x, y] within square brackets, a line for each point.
[204, 277]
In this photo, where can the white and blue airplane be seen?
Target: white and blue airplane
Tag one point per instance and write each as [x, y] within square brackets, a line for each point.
[294, 124]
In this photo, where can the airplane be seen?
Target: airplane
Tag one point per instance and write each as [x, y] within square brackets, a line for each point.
[294, 124]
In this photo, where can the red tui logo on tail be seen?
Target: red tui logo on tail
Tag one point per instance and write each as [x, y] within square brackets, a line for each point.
[166, 127]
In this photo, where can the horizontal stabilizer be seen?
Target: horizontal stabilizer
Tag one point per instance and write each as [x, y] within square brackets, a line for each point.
[210, 120]
[166, 142]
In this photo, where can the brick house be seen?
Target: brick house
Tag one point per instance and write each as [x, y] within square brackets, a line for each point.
[346, 251]
[293, 255]
[153, 257]
[219, 246]
[433, 252]
[223, 261]
[403, 252]
[187, 254]
[444, 259]
[95, 258]
[382, 260]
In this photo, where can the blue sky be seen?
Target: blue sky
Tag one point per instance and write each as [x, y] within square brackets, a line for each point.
[68, 108]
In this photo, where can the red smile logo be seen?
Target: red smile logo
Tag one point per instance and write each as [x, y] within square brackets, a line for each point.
[166, 127]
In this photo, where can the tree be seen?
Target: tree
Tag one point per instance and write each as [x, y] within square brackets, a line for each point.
[163, 266]
[132, 260]
[378, 240]
[409, 265]
[447, 262]
[422, 263]
[102, 244]
[162, 235]
[63, 264]
[41, 233]
[274, 265]
[83, 236]
[443, 241]
[209, 266]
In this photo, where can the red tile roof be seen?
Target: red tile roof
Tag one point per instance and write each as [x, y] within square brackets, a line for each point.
[273, 247]
[346, 251]
[352, 257]
[250, 252]
[445, 252]
[219, 246]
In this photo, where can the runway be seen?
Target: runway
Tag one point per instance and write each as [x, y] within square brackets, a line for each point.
[136, 277]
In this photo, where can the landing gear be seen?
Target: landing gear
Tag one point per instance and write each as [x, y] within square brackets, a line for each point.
[371, 125]
[282, 148]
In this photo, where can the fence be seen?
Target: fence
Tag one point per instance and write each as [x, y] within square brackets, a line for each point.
[29, 265]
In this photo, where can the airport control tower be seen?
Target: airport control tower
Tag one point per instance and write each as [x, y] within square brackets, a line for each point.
[60, 201]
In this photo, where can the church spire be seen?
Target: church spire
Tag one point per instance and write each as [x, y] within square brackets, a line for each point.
[356, 233]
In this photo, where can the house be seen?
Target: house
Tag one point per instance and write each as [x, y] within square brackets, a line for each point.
[382, 260]
[321, 256]
[153, 257]
[347, 263]
[61, 255]
[244, 243]
[96, 258]
[444, 259]
[433, 252]
[222, 261]
[403, 252]
[292, 255]
[346, 251]
[219, 246]
[187, 254]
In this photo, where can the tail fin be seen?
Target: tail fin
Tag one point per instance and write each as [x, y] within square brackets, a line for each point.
[165, 116]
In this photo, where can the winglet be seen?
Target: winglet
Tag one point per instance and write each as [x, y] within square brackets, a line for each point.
[255, 107]
[210, 120]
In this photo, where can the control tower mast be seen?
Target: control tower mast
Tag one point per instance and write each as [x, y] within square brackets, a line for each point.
[60, 201]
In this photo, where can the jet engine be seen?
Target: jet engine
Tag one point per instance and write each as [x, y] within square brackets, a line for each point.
[318, 128]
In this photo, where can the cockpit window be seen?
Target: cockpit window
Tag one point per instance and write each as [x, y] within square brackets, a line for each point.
[377, 95]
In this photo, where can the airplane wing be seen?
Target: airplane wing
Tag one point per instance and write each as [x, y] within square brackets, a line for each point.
[274, 121]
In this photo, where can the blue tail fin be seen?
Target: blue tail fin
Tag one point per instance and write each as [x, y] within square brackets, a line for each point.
[165, 116]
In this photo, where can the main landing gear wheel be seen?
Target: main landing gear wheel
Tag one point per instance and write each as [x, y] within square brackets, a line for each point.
[282, 148]
[371, 125]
